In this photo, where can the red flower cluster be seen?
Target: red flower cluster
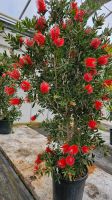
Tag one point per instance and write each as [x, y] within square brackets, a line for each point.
[41, 23]
[25, 86]
[64, 25]
[59, 42]
[41, 6]
[79, 15]
[25, 60]
[44, 87]
[89, 88]
[73, 150]
[85, 149]
[15, 101]
[90, 62]
[54, 34]
[98, 105]
[38, 159]
[107, 82]
[9, 90]
[92, 124]
[48, 150]
[33, 118]
[15, 74]
[88, 77]
[105, 98]
[93, 72]
[39, 38]
[73, 5]
[29, 42]
[65, 148]
[103, 60]
[21, 40]
[95, 43]
[61, 163]
[70, 160]
[88, 30]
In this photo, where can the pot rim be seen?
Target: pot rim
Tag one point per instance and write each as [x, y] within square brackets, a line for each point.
[76, 180]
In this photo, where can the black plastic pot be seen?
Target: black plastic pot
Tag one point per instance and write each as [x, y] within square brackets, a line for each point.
[69, 190]
[5, 126]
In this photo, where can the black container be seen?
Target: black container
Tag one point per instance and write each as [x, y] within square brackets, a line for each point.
[5, 126]
[69, 190]
[111, 136]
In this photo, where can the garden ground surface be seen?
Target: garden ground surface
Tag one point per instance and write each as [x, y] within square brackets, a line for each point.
[21, 148]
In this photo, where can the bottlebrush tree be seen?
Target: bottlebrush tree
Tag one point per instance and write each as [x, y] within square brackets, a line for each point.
[65, 67]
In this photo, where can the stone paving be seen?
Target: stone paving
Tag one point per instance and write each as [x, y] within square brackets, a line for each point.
[22, 147]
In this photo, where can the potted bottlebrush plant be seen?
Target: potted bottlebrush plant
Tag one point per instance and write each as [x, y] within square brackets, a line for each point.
[63, 67]
[8, 114]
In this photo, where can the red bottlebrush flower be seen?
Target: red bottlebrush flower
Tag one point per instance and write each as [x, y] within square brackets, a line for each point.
[92, 124]
[29, 42]
[21, 40]
[105, 98]
[48, 150]
[88, 30]
[73, 150]
[38, 159]
[104, 46]
[95, 43]
[15, 74]
[44, 87]
[64, 25]
[39, 38]
[65, 148]
[33, 118]
[9, 90]
[93, 72]
[90, 62]
[41, 23]
[59, 42]
[85, 149]
[41, 6]
[55, 32]
[73, 5]
[107, 82]
[15, 101]
[88, 77]
[61, 163]
[98, 105]
[103, 60]
[89, 88]
[70, 160]
[4, 75]
[36, 168]
[79, 15]
[25, 86]
[28, 59]
[25, 60]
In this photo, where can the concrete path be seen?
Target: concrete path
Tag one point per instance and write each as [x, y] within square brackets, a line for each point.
[11, 186]
[22, 148]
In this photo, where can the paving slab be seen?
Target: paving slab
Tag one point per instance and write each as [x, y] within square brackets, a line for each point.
[22, 148]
